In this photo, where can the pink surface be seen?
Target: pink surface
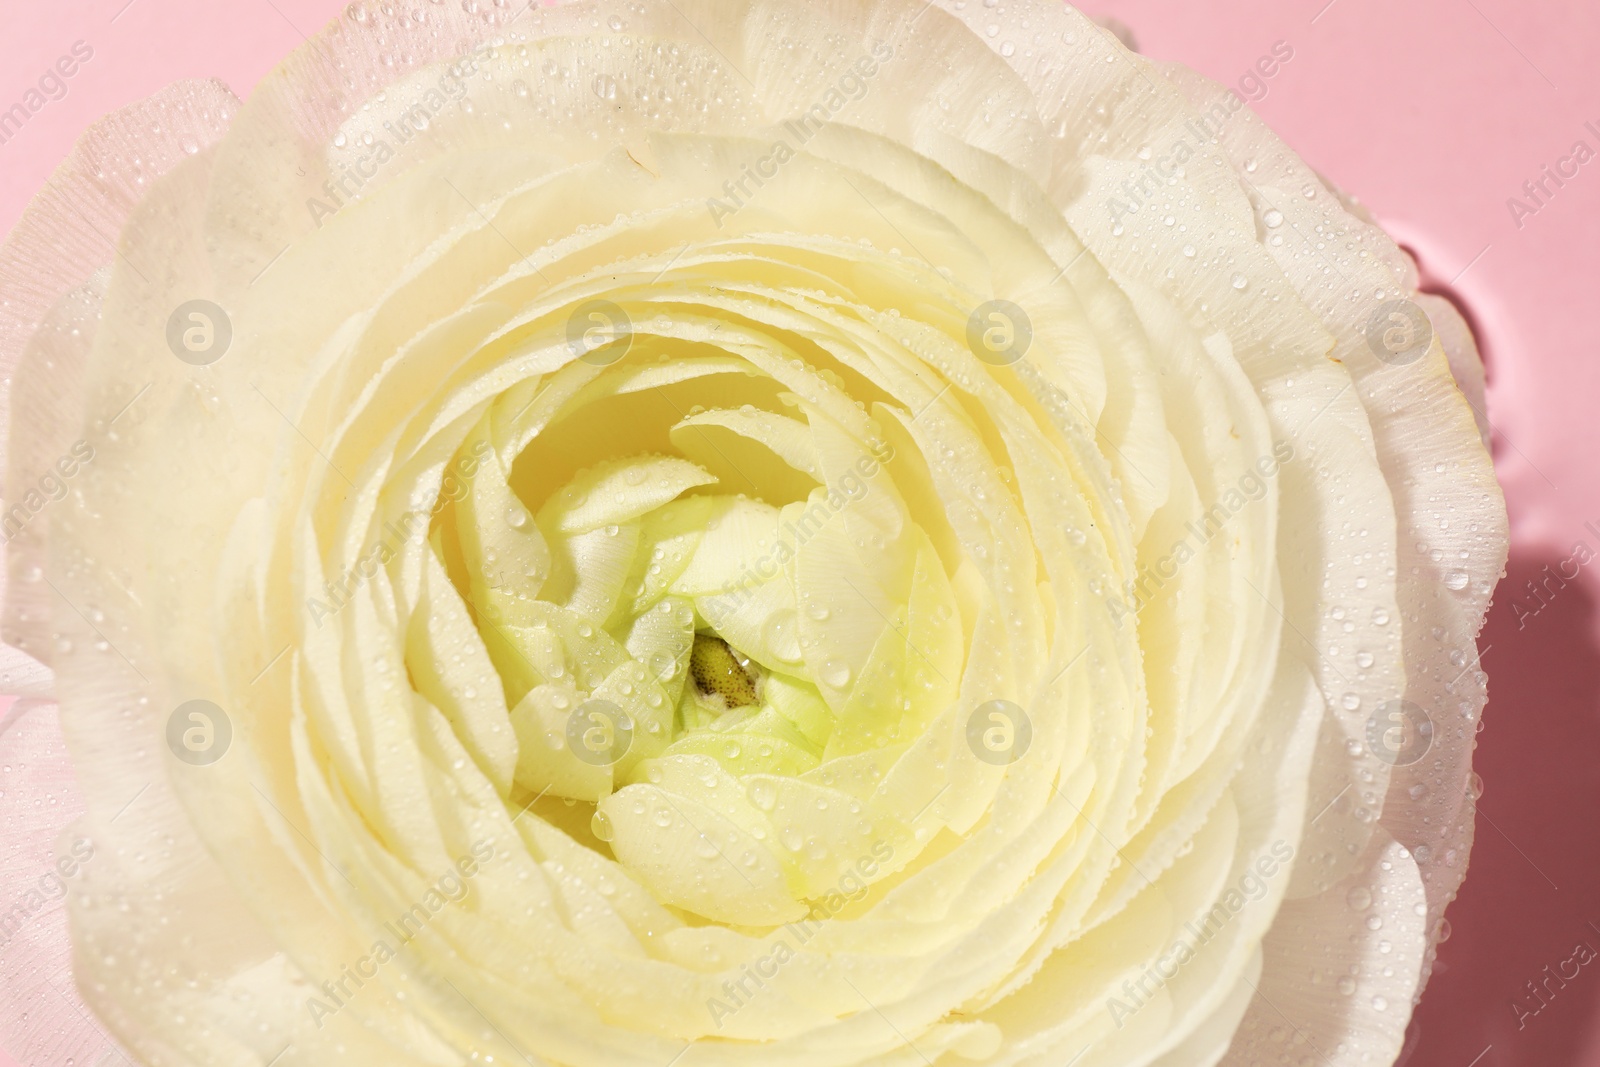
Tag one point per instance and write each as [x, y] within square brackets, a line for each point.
[1434, 112]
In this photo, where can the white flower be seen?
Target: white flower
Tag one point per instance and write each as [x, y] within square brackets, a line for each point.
[736, 533]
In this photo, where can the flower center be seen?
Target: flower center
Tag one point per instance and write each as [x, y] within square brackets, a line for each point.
[718, 670]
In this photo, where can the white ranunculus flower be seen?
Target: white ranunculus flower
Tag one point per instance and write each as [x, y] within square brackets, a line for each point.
[750, 532]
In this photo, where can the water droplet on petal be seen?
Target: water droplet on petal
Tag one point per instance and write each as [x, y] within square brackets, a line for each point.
[763, 794]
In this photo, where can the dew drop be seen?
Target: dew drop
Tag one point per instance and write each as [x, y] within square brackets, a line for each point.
[763, 794]
[780, 633]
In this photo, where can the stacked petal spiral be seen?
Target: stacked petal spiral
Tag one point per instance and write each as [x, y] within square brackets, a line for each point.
[745, 533]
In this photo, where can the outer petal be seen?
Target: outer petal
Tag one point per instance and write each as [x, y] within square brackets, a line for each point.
[51, 282]
[1452, 549]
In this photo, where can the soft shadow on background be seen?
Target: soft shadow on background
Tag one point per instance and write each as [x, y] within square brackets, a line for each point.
[1529, 897]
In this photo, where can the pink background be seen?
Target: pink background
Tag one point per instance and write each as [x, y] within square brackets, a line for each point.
[1434, 112]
